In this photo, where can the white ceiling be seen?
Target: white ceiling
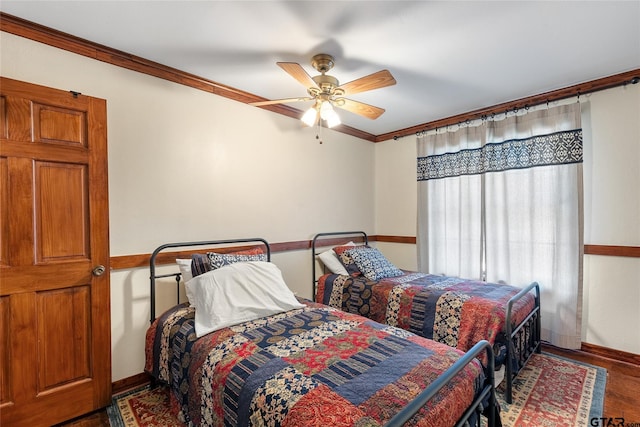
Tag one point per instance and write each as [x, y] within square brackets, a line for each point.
[448, 57]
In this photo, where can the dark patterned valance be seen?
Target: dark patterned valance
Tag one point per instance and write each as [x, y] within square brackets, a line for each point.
[542, 150]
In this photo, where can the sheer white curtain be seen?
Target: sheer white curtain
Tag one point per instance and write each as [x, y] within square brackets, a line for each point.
[516, 186]
[449, 226]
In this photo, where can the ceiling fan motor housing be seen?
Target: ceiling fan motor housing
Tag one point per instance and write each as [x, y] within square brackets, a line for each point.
[322, 62]
[326, 83]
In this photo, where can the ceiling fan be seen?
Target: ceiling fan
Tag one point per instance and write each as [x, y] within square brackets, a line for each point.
[327, 91]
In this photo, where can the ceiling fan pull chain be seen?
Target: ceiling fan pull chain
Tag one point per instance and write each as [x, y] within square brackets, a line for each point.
[319, 132]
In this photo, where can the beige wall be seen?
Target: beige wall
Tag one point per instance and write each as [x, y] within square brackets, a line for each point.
[396, 198]
[611, 122]
[611, 312]
[186, 165]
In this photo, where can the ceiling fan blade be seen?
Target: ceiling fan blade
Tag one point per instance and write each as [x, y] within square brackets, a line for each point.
[366, 110]
[280, 101]
[372, 81]
[296, 71]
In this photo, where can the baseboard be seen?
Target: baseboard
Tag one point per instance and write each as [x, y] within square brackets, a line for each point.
[609, 353]
[134, 381]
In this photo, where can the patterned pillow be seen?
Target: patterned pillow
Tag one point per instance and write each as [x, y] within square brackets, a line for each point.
[347, 260]
[201, 263]
[373, 264]
[331, 261]
[217, 260]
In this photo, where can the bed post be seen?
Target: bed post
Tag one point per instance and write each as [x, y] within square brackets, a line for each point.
[532, 345]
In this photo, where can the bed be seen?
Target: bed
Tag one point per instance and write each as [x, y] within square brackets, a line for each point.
[358, 279]
[307, 365]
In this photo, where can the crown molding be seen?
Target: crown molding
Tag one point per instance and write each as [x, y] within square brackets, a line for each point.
[30, 30]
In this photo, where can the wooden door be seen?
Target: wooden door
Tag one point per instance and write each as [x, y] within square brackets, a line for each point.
[55, 354]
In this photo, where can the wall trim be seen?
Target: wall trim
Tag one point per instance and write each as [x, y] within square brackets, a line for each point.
[120, 262]
[40, 33]
[30, 30]
[629, 77]
[609, 353]
[134, 381]
[396, 239]
[609, 250]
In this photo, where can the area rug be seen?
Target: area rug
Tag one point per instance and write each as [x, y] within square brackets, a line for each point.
[550, 391]
[554, 391]
[142, 407]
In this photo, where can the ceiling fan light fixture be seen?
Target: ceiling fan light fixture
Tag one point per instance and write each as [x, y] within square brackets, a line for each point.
[310, 117]
[331, 117]
[325, 110]
[321, 110]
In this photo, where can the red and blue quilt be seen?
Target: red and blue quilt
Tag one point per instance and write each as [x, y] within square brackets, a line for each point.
[314, 366]
[450, 310]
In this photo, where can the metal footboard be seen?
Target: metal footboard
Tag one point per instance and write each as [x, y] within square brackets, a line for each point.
[487, 392]
[523, 340]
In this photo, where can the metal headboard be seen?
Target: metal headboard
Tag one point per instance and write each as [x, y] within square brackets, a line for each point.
[323, 236]
[152, 262]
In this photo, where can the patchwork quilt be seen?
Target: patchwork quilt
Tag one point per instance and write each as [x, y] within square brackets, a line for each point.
[450, 310]
[314, 366]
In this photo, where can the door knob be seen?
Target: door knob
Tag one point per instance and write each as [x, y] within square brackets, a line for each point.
[99, 270]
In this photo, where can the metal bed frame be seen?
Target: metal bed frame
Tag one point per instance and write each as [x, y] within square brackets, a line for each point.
[521, 341]
[485, 401]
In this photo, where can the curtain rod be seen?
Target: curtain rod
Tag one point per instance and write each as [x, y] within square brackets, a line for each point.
[496, 116]
[622, 79]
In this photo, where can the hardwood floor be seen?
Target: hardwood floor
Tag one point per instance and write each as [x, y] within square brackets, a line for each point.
[95, 419]
[622, 395]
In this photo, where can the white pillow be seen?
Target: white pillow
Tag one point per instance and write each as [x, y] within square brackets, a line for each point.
[238, 293]
[332, 262]
[185, 269]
